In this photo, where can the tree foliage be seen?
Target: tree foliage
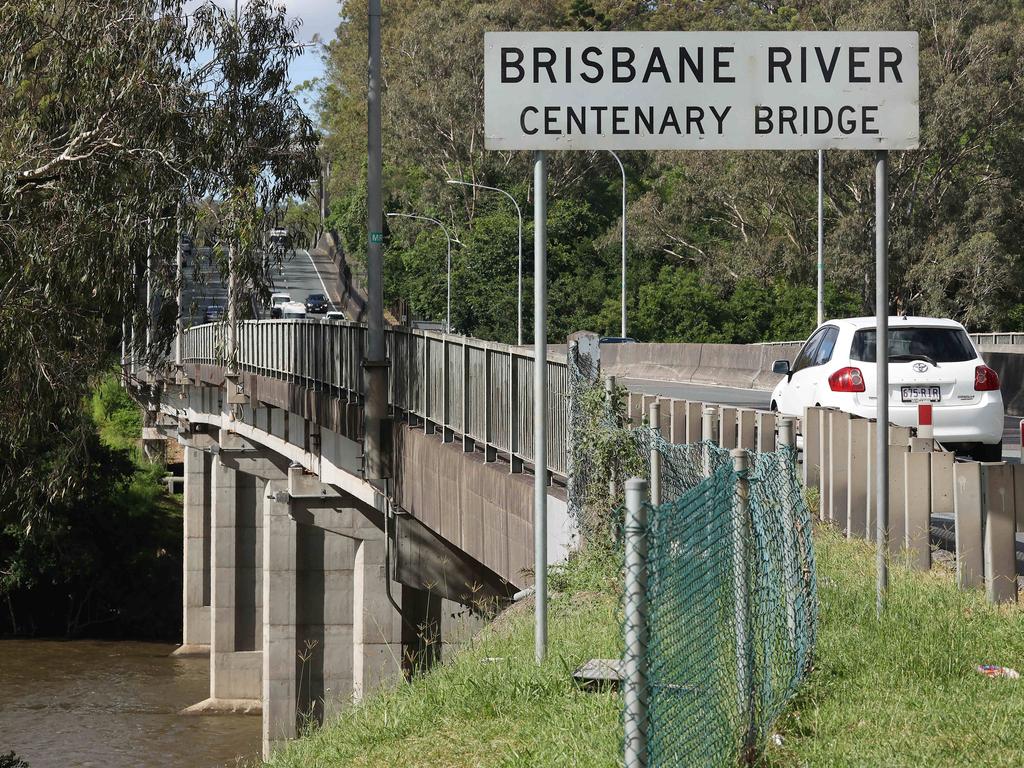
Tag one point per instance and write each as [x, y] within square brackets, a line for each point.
[121, 122]
[722, 245]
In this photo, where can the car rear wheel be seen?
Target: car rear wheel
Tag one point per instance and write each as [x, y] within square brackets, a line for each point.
[987, 452]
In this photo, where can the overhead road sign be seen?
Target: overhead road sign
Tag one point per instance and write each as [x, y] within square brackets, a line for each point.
[701, 90]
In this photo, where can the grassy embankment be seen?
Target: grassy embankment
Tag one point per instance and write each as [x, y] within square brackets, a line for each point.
[119, 424]
[900, 692]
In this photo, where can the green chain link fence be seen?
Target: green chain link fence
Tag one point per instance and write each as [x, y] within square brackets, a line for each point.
[720, 602]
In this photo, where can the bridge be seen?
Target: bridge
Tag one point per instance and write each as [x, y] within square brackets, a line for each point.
[309, 585]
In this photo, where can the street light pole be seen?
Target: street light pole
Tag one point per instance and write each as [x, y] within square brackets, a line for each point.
[519, 289]
[622, 331]
[448, 314]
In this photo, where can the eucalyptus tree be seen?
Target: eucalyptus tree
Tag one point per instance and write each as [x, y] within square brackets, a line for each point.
[260, 147]
[120, 121]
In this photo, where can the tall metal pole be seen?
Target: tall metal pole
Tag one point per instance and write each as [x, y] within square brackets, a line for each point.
[519, 289]
[622, 169]
[448, 315]
[540, 388]
[821, 236]
[882, 374]
[375, 365]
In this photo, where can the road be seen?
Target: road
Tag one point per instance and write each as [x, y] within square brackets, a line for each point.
[301, 273]
[756, 398]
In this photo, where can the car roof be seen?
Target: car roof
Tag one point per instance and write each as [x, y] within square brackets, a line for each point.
[280, 295]
[895, 321]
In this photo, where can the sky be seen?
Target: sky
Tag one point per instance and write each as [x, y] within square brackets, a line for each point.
[319, 17]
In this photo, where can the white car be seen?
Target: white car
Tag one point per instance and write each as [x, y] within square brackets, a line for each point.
[277, 301]
[930, 361]
[293, 309]
[335, 314]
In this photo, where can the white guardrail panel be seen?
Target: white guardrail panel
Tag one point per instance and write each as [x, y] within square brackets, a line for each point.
[478, 389]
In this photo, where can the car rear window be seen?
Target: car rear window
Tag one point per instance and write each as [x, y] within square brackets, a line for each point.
[943, 345]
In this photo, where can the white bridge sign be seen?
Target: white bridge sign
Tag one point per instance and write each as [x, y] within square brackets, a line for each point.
[701, 90]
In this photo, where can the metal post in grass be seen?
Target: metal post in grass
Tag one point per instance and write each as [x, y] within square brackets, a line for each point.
[634, 660]
[609, 398]
[654, 417]
[741, 599]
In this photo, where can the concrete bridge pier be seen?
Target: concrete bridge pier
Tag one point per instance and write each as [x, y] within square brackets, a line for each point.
[236, 635]
[196, 558]
[330, 632]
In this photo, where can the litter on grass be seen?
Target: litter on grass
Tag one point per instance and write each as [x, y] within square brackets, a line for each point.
[994, 670]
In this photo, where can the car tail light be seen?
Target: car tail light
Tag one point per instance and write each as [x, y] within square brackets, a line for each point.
[985, 379]
[846, 380]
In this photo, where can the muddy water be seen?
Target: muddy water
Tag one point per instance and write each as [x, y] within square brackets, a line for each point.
[113, 705]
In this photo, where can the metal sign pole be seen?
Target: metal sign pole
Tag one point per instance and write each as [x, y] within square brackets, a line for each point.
[821, 236]
[540, 388]
[882, 374]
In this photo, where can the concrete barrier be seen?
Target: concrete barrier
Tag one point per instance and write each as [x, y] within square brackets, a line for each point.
[734, 365]
[1008, 362]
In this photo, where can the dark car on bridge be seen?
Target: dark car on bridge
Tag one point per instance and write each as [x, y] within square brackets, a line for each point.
[214, 313]
[316, 304]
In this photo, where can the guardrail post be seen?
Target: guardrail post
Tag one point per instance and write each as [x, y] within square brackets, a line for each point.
[634, 677]
[490, 454]
[515, 463]
[446, 373]
[709, 435]
[654, 416]
[1000, 544]
[766, 424]
[468, 444]
[967, 505]
[741, 600]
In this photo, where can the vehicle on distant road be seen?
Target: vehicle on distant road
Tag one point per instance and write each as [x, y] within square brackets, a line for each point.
[336, 314]
[278, 300]
[293, 309]
[316, 304]
[214, 313]
[617, 340]
[279, 237]
[931, 360]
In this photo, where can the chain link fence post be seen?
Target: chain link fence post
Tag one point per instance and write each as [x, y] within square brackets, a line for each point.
[787, 468]
[609, 398]
[654, 417]
[634, 683]
[742, 602]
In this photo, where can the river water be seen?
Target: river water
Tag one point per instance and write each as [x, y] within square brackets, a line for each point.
[114, 705]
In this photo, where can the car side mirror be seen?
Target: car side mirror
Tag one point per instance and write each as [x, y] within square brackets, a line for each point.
[781, 367]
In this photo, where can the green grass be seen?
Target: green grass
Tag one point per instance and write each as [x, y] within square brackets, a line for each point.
[117, 417]
[491, 705]
[903, 691]
[899, 692]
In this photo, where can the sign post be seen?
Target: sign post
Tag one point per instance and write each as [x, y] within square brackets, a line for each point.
[882, 376]
[540, 389]
[546, 91]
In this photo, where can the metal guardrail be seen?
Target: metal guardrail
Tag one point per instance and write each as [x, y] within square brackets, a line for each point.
[479, 390]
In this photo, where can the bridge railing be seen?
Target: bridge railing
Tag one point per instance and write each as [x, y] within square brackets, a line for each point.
[479, 390]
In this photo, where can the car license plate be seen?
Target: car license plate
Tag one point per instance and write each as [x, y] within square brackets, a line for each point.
[920, 394]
